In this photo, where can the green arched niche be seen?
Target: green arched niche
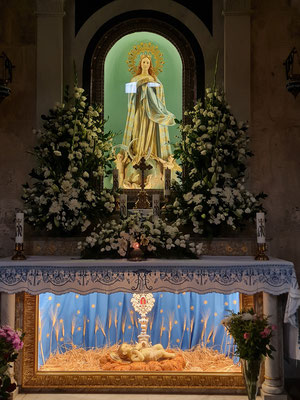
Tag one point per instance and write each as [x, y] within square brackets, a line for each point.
[116, 74]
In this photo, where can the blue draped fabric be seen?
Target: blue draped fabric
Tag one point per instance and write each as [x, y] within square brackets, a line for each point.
[181, 320]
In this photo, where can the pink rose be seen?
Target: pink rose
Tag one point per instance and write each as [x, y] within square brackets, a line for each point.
[246, 335]
[274, 327]
[267, 331]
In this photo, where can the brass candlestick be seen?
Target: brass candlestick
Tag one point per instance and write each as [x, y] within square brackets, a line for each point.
[261, 256]
[136, 253]
[19, 252]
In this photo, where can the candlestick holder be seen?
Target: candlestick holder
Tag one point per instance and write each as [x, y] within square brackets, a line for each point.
[261, 256]
[136, 253]
[19, 252]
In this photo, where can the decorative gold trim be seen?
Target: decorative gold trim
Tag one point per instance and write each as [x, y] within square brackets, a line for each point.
[137, 382]
[246, 301]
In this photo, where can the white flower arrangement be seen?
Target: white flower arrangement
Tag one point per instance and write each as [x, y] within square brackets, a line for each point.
[153, 235]
[73, 153]
[214, 149]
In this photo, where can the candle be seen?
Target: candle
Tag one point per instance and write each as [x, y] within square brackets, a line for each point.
[123, 205]
[155, 205]
[260, 228]
[19, 227]
[115, 179]
[167, 190]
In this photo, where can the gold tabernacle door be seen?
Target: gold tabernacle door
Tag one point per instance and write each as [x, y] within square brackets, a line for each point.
[34, 379]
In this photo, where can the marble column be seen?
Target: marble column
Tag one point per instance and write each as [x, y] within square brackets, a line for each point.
[8, 309]
[272, 388]
[8, 318]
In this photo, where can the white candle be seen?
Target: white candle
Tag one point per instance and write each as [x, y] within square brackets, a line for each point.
[260, 228]
[123, 205]
[19, 227]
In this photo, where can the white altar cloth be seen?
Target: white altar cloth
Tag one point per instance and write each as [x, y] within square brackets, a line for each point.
[226, 274]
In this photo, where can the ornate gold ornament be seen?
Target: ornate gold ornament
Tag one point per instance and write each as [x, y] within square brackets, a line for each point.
[151, 51]
[143, 304]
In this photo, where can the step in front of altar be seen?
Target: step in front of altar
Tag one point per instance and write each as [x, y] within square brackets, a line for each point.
[49, 246]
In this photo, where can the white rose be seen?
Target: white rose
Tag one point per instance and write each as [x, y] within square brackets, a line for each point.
[247, 317]
[86, 224]
[188, 196]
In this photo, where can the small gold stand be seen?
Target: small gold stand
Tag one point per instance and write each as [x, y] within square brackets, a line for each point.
[19, 252]
[261, 256]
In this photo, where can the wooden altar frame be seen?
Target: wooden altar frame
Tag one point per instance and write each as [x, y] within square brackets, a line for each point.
[134, 382]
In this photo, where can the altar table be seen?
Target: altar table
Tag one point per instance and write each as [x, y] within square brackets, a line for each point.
[226, 274]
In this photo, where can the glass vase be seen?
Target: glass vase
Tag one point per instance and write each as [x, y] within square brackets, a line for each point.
[251, 372]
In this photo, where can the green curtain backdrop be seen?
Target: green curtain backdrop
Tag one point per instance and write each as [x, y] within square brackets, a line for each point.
[116, 74]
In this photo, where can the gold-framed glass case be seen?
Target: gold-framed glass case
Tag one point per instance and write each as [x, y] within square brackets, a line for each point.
[43, 324]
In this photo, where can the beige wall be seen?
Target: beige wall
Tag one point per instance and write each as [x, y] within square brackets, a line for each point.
[275, 131]
[17, 112]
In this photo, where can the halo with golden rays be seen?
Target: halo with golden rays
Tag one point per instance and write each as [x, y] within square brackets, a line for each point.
[147, 49]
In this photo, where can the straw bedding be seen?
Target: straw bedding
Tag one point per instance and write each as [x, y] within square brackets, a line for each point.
[199, 359]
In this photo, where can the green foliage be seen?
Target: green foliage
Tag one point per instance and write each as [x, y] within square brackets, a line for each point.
[213, 151]
[73, 154]
[10, 343]
[251, 333]
[151, 234]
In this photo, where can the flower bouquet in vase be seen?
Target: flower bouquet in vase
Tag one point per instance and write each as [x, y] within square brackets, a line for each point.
[10, 343]
[252, 334]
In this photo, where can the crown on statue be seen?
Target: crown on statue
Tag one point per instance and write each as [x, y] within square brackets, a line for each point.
[144, 55]
[145, 50]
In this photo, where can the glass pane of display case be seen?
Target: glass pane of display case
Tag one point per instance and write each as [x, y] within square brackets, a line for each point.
[91, 333]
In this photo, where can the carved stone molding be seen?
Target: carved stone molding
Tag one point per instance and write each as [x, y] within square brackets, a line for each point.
[69, 246]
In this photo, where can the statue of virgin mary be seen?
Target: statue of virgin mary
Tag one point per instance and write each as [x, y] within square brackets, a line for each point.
[146, 131]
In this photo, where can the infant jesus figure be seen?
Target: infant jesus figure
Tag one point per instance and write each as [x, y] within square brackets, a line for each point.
[140, 353]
